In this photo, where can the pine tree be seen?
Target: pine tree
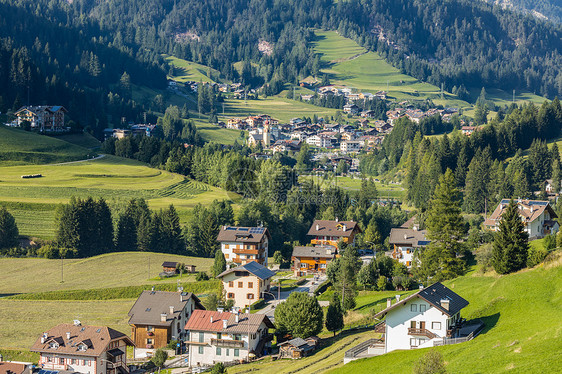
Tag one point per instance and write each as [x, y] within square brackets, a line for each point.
[334, 315]
[9, 233]
[219, 265]
[510, 245]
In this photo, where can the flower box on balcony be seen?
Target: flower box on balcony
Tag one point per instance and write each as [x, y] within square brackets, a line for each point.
[149, 346]
[150, 333]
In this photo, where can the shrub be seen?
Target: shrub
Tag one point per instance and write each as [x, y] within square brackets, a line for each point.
[484, 256]
[535, 256]
[201, 276]
[218, 368]
[430, 363]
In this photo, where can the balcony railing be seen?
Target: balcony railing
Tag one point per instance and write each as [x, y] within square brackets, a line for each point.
[245, 251]
[228, 343]
[422, 332]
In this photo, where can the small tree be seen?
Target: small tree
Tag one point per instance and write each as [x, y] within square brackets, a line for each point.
[430, 363]
[9, 233]
[201, 276]
[212, 302]
[220, 263]
[159, 358]
[510, 244]
[301, 315]
[334, 316]
[278, 257]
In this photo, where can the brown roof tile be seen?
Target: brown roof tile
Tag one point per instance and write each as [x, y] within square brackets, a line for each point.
[200, 320]
[333, 228]
[12, 367]
[95, 338]
[242, 234]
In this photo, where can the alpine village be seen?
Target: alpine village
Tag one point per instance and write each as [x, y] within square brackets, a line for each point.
[294, 187]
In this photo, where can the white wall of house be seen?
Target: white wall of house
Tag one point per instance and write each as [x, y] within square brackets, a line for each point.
[209, 354]
[228, 247]
[237, 288]
[399, 320]
[407, 255]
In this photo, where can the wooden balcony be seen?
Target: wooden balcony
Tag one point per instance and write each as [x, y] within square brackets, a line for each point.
[228, 343]
[421, 332]
[244, 251]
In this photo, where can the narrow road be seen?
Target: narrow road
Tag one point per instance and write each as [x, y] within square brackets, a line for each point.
[75, 162]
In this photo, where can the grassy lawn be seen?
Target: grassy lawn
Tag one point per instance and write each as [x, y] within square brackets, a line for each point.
[19, 275]
[521, 312]
[190, 71]
[354, 184]
[213, 133]
[33, 201]
[83, 140]
[328, 357]
[19, 147]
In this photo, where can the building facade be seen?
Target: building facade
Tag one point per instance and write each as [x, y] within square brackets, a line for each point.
[311, 260]
[226, 337]
[241, 245]
[83, 349]
[42, 117]
[246, 283]
[406, 242]
[329, 233]
[157, 317]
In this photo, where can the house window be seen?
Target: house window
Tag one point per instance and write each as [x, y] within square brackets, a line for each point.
[226, 246]
[149, 328]
[149, 341]
[61, 361]
[303, 265]
[236, 352]
[231, 284]
[219, 335]
[88, 362]
[250, 284]
[408, 250]
[413, 342]
[228, 352]
[250, 296]
[240, 284]
[322, 266]
[230, 295]
[436, 325]
[73, 361]
[413, 308]
[226, 256]
[408, 263]
[200, 349]
[237, 337]
[422, 307]
[201, 337]
[412, 324]
[83, 362]
[218, 351]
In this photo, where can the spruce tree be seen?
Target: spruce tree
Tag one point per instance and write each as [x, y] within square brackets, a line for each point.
[219, 265]
[510, 245]
[334, 315]
[9, 233]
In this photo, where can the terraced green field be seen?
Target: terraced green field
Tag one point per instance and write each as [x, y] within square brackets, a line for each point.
[19, 147]
[33, 201]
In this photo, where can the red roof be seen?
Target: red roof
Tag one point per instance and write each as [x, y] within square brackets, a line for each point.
[200, 320]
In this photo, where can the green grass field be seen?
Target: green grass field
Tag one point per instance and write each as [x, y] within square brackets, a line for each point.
[19, 147]
[84, 140]
[115, 179]
[354, 184]
[190, 71]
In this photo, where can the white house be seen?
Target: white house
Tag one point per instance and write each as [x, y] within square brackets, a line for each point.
[246, 284]
[405, 242]
[351, 146]
[538, 217]
[241, 245]
[226, 337]
[83, 349]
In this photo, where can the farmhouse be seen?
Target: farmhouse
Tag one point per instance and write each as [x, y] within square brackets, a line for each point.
[406, 242]
[42, 117]
[158, 317]
[169, 266]
[247, 283]
[312, 260]
[83, 349]
[550, 188]
[226, 337]
[297, 347]
[325, 232]
[351, 109]
[244, 244]
[538, 217]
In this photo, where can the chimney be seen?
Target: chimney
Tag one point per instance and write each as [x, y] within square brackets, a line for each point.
[388, 302]
[405, 236]
[224, 228]
[317, 227]
[445, 304]
[211, 319]
[152, 288]
[337, 220]
[77, 322]
[163, 317]
[344, 227]
[172, 309]
[43, 338]
[224, 323]
[397, 298]
[67, 336]
[237, 317]
[416, 227]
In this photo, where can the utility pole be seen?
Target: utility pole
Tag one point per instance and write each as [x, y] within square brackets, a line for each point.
[148, 267]
[62, 268]
[513, 96]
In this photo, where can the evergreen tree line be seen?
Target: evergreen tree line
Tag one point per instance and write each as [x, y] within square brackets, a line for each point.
[478, 162]
[85, 227]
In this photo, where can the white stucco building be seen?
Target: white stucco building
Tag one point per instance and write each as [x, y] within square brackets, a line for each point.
[406, 242]
[241, 245]
[226, 337]
[246, 283]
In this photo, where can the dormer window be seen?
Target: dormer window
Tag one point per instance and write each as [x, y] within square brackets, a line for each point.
[53, 345]
[82, 347]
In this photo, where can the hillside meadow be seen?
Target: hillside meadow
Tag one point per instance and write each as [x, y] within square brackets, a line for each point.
[33, 201]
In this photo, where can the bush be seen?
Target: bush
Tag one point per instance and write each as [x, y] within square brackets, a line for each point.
[535, 256]
[218, 368]
[172, 344]
[484, 257]
[430, 363]
[201, 276]
[160, 356]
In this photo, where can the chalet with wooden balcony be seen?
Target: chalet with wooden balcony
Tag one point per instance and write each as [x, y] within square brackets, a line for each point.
[226, 337]
[329, 233]
[406, 242]
[75, 348]
[246, 284]
[157, 317]
[312, 260]
[241, 245]
[423, 319]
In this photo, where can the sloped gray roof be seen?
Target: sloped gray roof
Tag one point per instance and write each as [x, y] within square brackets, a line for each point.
[413, 238]
[151, 304]
[324, 252]
[253, 267]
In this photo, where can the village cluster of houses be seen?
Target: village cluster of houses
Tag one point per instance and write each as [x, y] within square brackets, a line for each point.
[429, 317]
